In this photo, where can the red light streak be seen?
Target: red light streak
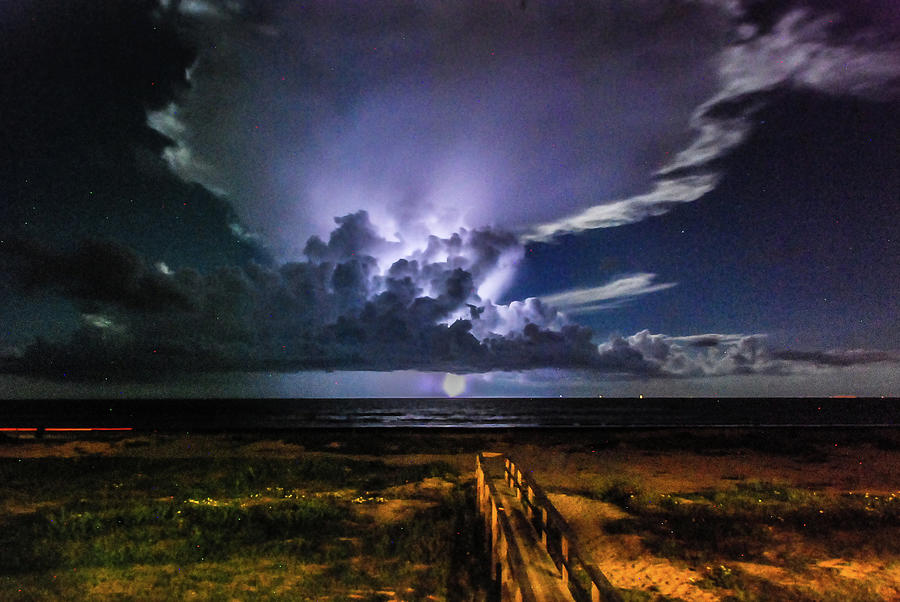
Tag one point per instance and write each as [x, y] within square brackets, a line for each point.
[60, 429]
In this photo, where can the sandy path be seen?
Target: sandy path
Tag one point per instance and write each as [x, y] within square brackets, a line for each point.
[622, 559]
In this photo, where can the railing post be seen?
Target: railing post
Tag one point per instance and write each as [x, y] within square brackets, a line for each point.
[516, 481]
[505, 575]
[486, 503]
[545, 525]
[529, 495]
[495, 522]
[479, 485]
[492, 539]
[564, 551]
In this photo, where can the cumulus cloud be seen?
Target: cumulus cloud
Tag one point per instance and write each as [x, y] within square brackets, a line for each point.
[352, 304]
[505, 319]
[346, 307]
[706, 355]
[702, 355]
[343, 308]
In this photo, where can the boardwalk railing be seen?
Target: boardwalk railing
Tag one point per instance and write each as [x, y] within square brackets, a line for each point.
[507, 565]
[583, 578]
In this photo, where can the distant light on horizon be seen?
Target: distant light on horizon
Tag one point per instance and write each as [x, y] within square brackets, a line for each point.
[454, 384]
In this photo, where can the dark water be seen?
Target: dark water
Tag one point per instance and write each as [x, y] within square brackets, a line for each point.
[239, 414]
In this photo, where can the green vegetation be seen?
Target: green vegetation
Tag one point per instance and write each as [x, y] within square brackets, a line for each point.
[625, 493]
[223, 528]
[740, 523]
[640, 595]
[113, 477]
[743, 587]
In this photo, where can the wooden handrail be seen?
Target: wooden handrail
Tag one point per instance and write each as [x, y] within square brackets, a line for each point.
[513, 556]
[570, 556]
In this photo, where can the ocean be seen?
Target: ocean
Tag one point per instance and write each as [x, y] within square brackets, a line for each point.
[483, 413]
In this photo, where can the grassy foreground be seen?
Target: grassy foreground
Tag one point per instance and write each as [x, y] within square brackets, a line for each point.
[154, 519]
[704, 515]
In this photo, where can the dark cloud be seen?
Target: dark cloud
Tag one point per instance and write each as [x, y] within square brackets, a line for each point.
[838, 358]
[79, 159]
[97, 271]
[431, 117]
[705, 342]
[339, 310]
[336, 310]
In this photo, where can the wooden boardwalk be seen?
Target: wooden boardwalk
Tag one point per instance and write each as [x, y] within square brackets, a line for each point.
[534, 554]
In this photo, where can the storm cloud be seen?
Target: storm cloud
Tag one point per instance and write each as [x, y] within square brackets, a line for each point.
[345, 308]
[339, 309]
[349, 305]
[433, 117]
[542, 118]
[443, 136]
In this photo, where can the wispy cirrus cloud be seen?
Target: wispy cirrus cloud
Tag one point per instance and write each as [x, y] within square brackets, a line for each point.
[801, 51]
[606, 296]
[665, 194]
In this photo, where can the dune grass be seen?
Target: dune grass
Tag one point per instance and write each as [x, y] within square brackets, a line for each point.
[231, 527]
[742, 524]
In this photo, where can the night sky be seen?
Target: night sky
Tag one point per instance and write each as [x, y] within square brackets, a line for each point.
[205, 198]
